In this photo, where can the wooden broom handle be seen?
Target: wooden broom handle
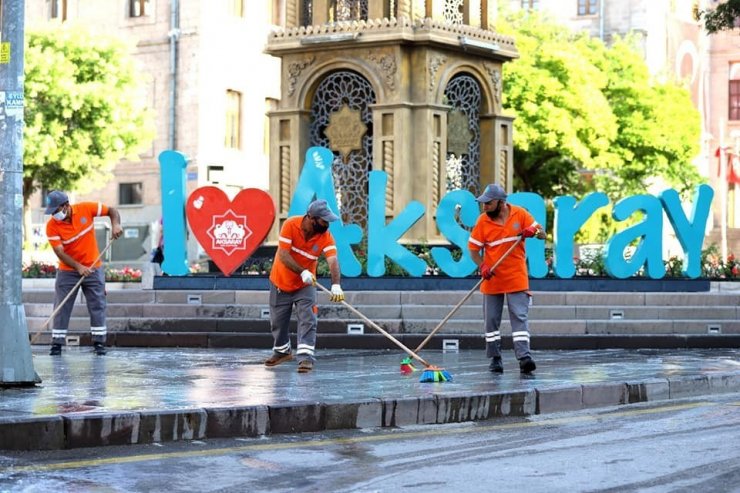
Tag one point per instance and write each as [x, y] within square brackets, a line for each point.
[72, 291]
[378, 328]
[466, 297]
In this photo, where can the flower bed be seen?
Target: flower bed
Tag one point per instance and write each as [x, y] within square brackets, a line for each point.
[43, 270]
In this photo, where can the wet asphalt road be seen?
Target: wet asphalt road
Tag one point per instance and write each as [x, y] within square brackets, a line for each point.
[675, 446]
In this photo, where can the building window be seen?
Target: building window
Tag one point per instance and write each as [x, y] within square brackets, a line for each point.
[215, 174]
[734, 100]
[236, 8]
[58, 10]
[587, 7]
[139, 8]
[531, 4]
[233, 119]
[130, 193]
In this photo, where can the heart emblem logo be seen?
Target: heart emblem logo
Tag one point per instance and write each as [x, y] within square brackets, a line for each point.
[230, 230]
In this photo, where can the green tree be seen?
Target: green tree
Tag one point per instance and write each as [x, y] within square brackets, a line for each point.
[721, 18]
[658, 128]
[580, 105]
[563, 120]
[84, 111]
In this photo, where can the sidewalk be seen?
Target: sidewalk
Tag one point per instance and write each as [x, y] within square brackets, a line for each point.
[153, 395]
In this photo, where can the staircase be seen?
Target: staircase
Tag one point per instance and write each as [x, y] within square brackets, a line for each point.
[558, 320]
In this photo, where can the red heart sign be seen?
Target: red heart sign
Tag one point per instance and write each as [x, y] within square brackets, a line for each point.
[230, 230]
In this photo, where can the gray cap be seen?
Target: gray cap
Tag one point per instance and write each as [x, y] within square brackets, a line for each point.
[494, 191]
[318, 208]
[54, 200]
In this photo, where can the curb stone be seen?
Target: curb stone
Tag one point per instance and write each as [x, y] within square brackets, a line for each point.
[75, 430]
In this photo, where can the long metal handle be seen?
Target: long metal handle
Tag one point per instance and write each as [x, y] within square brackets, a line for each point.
[378, 328]
[466, 297]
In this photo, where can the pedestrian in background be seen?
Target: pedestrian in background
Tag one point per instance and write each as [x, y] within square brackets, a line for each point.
[496, 229]
[303, 239]
[71, 234]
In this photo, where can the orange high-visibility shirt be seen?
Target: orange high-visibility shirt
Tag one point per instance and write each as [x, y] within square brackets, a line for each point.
[495, 239]
[305, 253]
[78, 237]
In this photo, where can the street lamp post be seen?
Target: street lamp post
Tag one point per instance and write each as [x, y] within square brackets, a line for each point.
[16, 361]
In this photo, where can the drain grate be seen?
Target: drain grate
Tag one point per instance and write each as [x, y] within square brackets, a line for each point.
[450, 345]
[355, 329]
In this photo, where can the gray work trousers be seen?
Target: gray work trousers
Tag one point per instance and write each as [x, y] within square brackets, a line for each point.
[93, 287]
[281, 308]
[493, 306]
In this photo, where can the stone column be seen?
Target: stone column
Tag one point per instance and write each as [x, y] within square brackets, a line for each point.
[320, 12]
[289, 139]
[488, 14]
[404, 9]
[435, 9]
[497, 150]
[472, 13]
[293, 9]
[425, 140]
[378, 9]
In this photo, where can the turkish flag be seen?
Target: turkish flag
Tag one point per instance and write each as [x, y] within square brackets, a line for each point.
[733, 166]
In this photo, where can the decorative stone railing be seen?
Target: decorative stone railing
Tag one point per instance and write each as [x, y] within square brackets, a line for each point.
[394, 24]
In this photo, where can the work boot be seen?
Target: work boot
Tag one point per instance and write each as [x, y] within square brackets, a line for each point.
[99, 348]
[526, 365]
[305, 366]
[56, 350]
[496, 365]
[278, 358]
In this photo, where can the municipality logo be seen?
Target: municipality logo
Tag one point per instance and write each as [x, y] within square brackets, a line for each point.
[229, 232]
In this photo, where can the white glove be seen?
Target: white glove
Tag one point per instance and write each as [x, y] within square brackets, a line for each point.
[337, 294]
[307, 277]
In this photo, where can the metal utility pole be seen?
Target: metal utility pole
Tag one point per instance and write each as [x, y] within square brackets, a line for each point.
[16, 361]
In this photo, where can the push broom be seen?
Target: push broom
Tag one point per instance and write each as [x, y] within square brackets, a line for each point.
[406, 364]
[73, 291]
[431, 373]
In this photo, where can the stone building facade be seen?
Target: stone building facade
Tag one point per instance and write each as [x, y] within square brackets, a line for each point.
[209, 104]
[674, 45]
[409, 87]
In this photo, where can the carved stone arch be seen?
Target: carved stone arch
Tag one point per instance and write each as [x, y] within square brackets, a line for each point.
[341, 118]
[320, 71]
[488, 101]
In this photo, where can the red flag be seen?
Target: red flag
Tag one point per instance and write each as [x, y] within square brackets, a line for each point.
[733, 166]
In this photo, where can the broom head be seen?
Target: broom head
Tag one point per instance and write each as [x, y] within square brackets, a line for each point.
[435, 374]
[407, 366]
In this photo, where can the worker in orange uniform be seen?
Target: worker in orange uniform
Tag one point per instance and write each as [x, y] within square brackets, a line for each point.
[496, 229]
[71, 234]
[303, 239]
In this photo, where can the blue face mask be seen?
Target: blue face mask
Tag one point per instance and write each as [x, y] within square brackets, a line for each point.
[60, 216]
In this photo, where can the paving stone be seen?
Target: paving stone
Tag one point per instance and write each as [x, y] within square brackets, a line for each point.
[649, 390]
[170, 426]
[604, 394]
[32, 433]
[407, 411]
[225, 422]
[351, 415]
[556, 400]
[99, 429]
[688, 386]
[298, 417]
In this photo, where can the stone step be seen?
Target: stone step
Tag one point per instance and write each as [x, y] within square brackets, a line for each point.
[466, 326]
[403, 298]
[407, 312]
